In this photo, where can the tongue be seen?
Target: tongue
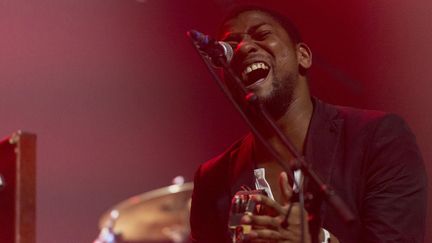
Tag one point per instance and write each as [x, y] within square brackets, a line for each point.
[256, 82]
[256, 76]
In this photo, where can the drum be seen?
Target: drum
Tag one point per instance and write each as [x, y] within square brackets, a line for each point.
[161, 215]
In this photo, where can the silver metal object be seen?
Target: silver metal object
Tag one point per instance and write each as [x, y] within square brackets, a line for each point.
[2, 182]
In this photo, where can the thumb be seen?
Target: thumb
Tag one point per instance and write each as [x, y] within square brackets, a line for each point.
[285, 187]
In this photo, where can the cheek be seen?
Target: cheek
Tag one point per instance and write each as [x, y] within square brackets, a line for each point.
[288, 55]
[282, 53]
[288, 61]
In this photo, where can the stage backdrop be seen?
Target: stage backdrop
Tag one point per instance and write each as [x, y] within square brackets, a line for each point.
[122, 104]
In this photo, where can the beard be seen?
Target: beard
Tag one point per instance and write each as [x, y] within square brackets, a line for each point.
[281, 97]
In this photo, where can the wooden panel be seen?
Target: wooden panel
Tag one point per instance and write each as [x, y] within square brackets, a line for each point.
[18, 190]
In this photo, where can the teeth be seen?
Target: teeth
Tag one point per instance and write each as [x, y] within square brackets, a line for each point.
[255, 66]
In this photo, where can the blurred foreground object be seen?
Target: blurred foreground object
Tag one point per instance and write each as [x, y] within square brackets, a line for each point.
[18, 188]
[161, 215]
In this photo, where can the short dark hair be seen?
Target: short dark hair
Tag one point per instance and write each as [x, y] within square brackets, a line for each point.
[284, 21]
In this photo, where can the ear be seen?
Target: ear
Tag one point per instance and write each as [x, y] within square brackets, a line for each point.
[304, 56]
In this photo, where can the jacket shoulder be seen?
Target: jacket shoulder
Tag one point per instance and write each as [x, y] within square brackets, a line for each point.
[221, 162]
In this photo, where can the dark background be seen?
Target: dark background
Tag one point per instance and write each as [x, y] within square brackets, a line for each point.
[121, 103]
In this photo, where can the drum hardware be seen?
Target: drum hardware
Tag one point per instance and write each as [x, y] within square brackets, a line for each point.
[160, 215]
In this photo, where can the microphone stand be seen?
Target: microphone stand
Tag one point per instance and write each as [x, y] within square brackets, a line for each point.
[298, 162]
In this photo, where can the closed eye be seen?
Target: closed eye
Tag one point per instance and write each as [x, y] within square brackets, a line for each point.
[261, 35]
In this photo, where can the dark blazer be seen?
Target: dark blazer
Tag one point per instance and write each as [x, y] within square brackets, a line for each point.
[370, 159]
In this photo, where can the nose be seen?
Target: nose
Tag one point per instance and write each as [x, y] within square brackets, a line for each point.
[246, 46]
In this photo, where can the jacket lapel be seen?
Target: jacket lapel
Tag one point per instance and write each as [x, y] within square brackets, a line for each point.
[324, 140]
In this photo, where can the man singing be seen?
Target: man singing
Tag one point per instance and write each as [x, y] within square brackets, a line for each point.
[369, 158]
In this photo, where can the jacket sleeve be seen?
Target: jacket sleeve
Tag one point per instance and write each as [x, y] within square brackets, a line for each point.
[208, 209]
[394, 204]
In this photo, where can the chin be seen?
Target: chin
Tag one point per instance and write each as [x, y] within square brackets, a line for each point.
[277, 101]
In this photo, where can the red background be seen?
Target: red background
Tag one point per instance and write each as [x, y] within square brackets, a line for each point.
[121, 102]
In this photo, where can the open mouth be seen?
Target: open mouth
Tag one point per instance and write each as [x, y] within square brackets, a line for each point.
[255, 73]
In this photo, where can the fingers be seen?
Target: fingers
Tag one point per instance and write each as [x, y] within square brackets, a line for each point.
[273, 207]
[289, 216]
[262, 221]
[266, 228]
[269, 235]
[285, 187]
[265, 235]
[275, 222]
[268, 203]
[294, 216]
[269, 229]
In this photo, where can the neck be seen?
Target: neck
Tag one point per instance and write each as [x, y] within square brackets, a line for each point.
[294, 123]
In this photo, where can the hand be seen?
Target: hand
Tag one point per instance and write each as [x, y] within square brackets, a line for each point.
[279, 222]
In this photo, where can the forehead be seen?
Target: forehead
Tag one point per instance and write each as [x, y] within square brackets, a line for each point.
[244, 21]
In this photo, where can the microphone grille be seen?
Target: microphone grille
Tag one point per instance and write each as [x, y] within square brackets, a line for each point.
[228, 51]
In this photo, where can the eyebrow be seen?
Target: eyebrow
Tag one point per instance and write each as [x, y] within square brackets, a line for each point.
[235, 36]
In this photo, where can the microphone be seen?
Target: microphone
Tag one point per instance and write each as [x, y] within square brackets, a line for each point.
[214, 49]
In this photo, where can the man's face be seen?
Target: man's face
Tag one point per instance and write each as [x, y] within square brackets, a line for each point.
[265, 58]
